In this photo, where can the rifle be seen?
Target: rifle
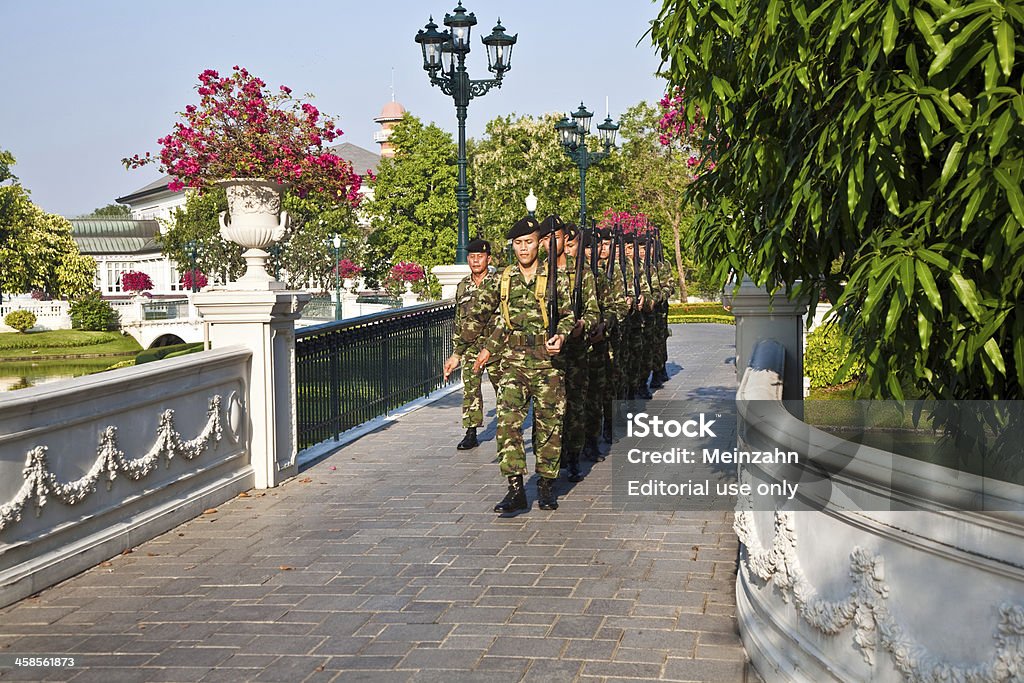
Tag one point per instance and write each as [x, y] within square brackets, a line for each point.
[610, 267]
[577, 285]
[552, 286]
[648, 244]
[621, 240]
[636, 271]
[595, 247]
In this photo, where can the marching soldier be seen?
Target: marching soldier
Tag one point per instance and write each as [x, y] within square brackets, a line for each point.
[668, 288]
[574, 355]
[529, 340]
[466, 295]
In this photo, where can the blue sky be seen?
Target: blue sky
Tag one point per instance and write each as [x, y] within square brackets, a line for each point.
[86, 83]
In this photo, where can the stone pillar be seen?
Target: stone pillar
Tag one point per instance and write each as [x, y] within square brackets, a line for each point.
[449, 277]
[759, 315]
[263, 321]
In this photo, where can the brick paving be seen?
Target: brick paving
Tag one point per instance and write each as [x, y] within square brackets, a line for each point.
[383, 562]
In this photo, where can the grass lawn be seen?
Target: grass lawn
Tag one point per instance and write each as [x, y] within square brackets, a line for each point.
[62, 343]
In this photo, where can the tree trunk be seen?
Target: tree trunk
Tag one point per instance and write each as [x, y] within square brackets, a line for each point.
[679, 261]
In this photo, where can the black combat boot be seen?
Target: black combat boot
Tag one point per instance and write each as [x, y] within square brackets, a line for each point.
[515, 498]
[546, 498]
[469, 440]
[572, 466]
[663, 374]
[607, 432]
[656, 381]
[643, 392]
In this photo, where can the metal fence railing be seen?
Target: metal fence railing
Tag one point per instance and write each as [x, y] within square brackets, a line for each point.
[165, 309]
[351, 371]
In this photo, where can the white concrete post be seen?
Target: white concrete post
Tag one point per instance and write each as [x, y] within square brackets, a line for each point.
[263, 321]
[759, 315]
[449, 277]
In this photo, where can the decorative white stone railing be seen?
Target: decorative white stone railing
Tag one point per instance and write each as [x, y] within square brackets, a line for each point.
[92, 466]
[859, 592]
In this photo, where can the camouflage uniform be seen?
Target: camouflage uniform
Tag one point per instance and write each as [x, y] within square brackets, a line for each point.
[612, 300]
[574, 358]
[466, 295]
[527, 371]
[668, 290]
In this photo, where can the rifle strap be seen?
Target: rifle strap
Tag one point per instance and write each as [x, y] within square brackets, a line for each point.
[539, 293]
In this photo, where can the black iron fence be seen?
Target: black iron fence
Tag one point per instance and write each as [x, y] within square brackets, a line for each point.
[351, 371]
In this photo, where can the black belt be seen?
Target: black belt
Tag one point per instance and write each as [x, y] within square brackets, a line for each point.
[531, 340]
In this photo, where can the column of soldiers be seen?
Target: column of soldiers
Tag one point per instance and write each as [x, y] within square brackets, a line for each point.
[579, 319]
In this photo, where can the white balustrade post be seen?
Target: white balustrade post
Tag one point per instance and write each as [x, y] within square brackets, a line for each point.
[759, 315]
[449, 277]
[263, 321]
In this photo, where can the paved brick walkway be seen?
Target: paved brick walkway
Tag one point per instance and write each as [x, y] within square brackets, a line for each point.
[384, 563]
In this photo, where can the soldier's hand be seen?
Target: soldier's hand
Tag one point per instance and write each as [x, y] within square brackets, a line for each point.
[481, 360]
[640, 302]
[554, 345]
[577, 329]
[450, 365]
[597, 335]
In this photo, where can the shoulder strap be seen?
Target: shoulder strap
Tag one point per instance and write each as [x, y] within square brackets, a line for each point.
[503, 290]
[540, 292]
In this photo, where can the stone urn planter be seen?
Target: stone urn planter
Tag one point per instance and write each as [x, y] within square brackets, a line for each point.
[255, 220]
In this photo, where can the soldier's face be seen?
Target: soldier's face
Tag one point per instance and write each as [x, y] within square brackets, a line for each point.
[478, 262]
[571, 247]
[629, 250]
[606, 249]
[643, 251]
[525, 248]
[560, 241]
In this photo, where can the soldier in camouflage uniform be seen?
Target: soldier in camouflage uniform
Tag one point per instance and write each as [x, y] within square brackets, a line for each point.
[527, 368]
[640, 326]
[574, 354]
[466, 295]
[613, 305]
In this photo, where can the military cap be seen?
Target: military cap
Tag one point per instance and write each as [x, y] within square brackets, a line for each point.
[478, 246]
[550, 225]
[588, 239]
[523, 226]
[604, 233]
[571, 231]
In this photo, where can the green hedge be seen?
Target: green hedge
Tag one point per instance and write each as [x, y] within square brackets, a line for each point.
[21, 320]
[695, 318]
[56, 339]
[827, 351]
[711, 308]
[173, 351]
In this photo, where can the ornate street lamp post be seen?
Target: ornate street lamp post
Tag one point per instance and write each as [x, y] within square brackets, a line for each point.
[573, 136]
[337, 277]
[444, 60]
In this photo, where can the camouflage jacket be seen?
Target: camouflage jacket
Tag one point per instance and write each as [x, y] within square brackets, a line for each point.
[525, 317]
[591, 308]
[466, 295]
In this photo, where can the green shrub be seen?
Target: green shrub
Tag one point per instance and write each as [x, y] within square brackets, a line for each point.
[722, 319]
[127, 363]
[827, 350]
[173, 351]
[56, 339]
[20, 320]
[94, 314]
[710, 308]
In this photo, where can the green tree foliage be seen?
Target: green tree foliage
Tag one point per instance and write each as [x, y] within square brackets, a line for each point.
[887, 134]
[36, 248]
[92, 313]
[522, 154]
[656, 176]
[413, 212]
[305, 254]
[195, 229]
[20, 320]
[111, 211]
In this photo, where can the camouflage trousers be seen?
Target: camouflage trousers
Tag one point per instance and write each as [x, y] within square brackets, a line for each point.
[577, 373]
[599, 398]
[472, 391]
[523, 379]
